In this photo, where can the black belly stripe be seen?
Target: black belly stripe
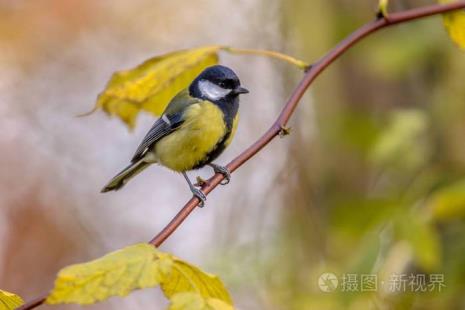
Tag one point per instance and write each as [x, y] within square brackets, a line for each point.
[229, 110]
[215, 152]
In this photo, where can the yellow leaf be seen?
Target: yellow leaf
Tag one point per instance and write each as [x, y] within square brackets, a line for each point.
[455, 25]
[10, 301]
[187, 278]
[449, 203]
[383, 7]
[134, 267]
[151, 85]
[115, 274]
[194, 301]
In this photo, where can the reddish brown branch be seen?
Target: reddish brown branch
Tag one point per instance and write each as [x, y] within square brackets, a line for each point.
[287, 111]
[297, 94]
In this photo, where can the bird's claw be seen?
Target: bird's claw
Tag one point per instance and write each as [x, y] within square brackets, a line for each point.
[200, 195]
[224, 171]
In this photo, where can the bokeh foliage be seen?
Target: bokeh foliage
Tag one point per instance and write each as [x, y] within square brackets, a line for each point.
[378, 186]
[374, 179]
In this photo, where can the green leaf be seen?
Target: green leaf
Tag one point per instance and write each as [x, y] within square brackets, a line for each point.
[194, 301]
[9, 301]
[115, 274]
[449, 202]
[151, 85]
[455, 25]
[187, 278]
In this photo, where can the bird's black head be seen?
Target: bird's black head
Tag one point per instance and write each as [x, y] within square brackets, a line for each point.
[217, 83]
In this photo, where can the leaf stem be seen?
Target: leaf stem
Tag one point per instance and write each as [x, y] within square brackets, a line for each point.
[273, 54]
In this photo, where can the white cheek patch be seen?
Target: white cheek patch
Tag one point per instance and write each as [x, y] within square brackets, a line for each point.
[212, 91]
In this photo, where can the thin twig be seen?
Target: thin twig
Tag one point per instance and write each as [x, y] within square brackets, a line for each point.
[287, 111]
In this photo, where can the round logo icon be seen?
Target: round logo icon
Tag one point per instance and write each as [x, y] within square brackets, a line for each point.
[328, 282]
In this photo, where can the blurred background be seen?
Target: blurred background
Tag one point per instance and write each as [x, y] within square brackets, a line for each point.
[369, 185]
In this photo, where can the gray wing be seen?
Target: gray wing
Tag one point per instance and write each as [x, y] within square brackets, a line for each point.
[171, 119]
[162, 127]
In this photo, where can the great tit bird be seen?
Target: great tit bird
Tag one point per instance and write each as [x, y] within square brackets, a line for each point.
[195, 128]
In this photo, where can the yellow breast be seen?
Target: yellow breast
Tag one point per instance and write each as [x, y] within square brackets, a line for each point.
[183, 149]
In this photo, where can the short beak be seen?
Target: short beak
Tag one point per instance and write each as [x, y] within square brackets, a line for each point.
[241, 90]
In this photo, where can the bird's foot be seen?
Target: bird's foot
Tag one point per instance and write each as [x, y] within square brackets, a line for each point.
[224, 171]
[200, 195]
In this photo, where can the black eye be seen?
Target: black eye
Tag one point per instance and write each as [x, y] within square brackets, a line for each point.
[226, 84]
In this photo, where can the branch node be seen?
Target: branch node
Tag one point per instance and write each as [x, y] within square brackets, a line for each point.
[308, 68]
[200, 182]
[285, 131]
[382, 15]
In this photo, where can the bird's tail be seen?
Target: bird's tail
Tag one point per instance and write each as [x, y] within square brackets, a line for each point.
[124, 176]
